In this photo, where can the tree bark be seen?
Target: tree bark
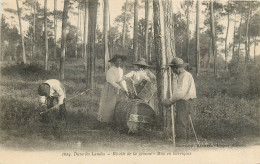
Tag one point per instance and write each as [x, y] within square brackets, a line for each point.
[234, 38]
[82, 35]
[255, 49]
[210, 54]
[124, 27]
[85, 39]
[77, 36]
[91, 43]
[21, 31]
[188, 33]
[213, 35]
[239, 40]
[55, 29]
[34, 33]
[146, 30]
[159, 42]
[105, 37]
[247, 45]
[135, 38]
[46, 35]
[197, 40]
[1, 51]
[170, 53]
[226, 46]
[63, 37]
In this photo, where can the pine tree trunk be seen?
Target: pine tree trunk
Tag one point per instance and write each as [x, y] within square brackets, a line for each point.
[85, 39]
[34, 33]
[82, 35]
[159, 42]
[197, 40]
[92, 20]
[135, 38]
[124, 27]
[55, 29]
[1, 51]
[210, 54]
[255, 49]
[146, 30]
[213, 35]
[46, 35]
[21, 31]
[239, 41]
[77, 36]
[188, 34]
[169, 89]
[226, 46]
[63, 37]
[247, 45]
[234, 35]
[105, 37]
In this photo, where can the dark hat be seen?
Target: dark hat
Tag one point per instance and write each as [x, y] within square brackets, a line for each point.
[141, 62]
[123, 57]
[178, 62]
[44, 89]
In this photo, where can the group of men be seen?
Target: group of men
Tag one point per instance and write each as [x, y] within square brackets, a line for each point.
[52, 96]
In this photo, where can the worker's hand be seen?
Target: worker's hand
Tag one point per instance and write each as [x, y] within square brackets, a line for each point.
[167, 103]
[43, 107]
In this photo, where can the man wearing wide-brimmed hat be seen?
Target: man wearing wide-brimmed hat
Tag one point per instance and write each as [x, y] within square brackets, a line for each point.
[110, 92]
[185, 92]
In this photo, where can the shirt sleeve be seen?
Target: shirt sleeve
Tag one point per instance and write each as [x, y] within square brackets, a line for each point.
[129, 75]
[151, 75]
[110, 77]
[183, 86]
[42, 100]
[61, 94]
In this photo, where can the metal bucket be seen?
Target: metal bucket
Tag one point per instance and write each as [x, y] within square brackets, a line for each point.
[145, 90]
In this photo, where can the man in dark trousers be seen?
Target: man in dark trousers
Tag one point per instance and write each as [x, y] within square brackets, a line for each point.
[185, 92]
[52, 96]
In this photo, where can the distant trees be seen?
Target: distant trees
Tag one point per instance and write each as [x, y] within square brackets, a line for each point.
[46, 35]
[117, 39]
[146, 55]
[198, 37]
[63, 37]
[135, 37]
[92, 21]
[55, 29]
[21, 32]
[105, 34]
[124, 26]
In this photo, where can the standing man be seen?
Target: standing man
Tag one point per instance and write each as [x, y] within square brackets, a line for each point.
[52, 95]
[185, 92]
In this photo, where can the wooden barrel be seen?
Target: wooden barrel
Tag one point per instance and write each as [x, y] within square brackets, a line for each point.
[134, 115]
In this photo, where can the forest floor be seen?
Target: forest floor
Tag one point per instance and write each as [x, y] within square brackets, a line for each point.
[82, 133]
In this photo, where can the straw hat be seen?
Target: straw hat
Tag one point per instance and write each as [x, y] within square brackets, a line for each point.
[141, 62]
[123, 57]
[177, 62]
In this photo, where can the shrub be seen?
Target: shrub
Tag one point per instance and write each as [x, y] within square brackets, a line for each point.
[27, 72]
[224, 116]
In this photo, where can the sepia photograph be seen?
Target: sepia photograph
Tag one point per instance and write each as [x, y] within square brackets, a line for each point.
[129, 81]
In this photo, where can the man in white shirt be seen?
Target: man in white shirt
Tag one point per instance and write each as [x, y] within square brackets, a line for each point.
[52, 95]
[185, 92]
